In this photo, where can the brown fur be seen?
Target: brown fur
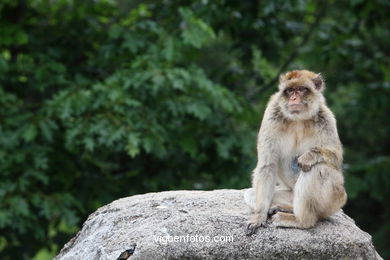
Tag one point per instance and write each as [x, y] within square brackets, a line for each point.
[295, 74]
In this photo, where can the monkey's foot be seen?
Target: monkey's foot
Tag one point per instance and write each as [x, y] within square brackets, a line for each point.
[282, 219]
[257, 220]
[275, 209]
[251, 229]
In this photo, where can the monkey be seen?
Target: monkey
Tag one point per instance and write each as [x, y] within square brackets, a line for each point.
[298, 177]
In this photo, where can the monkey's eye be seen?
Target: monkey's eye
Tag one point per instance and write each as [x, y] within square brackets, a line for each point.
[289, 91]
[302, 90]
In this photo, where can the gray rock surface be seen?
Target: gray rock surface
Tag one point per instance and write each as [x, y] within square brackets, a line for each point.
[207, 225]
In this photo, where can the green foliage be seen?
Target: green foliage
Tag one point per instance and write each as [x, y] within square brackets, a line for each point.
[106, 99]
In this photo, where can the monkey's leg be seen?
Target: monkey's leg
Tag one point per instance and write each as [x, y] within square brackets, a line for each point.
[281, 202]
[318, 193]
[284, 219]
[281, 211]
[333, 195]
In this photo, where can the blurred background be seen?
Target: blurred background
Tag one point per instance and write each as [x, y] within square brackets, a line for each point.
[103, 99]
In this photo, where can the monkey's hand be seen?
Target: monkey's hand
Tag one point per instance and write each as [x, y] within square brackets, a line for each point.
[258, 219]
[307, 160]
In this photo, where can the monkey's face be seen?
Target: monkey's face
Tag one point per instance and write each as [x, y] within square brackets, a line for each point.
[299, 101]
[297, 98]
[300, 94]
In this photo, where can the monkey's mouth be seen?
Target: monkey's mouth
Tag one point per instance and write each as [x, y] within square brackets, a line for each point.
[296, 108]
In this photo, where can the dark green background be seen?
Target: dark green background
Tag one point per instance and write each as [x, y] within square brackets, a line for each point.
[105, 99]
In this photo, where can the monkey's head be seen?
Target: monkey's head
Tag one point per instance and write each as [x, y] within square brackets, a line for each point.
[300, 94]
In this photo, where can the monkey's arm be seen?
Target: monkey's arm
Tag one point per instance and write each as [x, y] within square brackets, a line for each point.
[327, 150]
[264, 176]
[319, 154]
[264, 182]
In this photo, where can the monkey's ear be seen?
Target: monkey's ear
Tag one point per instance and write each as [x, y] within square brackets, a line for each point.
[319, 82]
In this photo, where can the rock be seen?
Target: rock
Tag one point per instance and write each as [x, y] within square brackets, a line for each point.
[206, 225]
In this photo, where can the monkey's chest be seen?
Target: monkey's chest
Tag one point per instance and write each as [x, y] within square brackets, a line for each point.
[291, 145]
[294, 144]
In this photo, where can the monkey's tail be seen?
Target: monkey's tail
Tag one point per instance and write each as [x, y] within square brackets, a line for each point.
[249, 197]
